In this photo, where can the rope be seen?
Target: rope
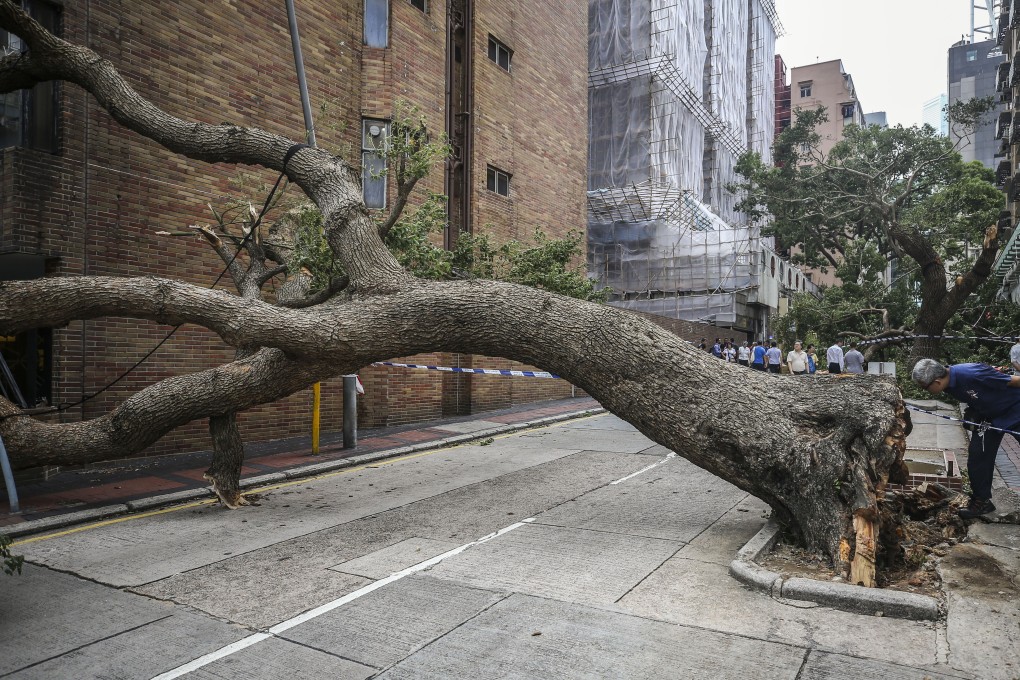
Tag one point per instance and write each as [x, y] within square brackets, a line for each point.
[980, 428]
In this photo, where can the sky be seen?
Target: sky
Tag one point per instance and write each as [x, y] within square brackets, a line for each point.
[895, 50]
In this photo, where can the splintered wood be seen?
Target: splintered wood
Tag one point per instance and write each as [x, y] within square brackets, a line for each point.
[862, 567]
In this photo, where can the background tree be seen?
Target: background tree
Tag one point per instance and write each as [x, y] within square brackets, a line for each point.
[904, 189]
[820, 453]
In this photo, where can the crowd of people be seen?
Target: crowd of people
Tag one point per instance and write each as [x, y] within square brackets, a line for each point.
[768, 356]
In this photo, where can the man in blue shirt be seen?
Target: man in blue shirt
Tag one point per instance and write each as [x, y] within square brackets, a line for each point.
[758, 357]
[995, 397]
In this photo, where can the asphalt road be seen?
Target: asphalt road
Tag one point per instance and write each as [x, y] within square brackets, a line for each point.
[579, 550]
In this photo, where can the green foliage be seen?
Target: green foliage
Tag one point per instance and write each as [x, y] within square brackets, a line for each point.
[12, 563]
[545, 263]
[310, 251]
[875, 184]
[409, 240]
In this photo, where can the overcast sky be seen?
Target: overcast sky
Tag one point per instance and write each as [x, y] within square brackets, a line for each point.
[895, 50]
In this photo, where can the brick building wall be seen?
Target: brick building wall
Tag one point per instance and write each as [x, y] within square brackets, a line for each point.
[94, 207]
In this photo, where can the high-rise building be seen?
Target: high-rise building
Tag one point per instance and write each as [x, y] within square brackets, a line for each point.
[1007, 139]
[677, 91]
[80, 194]
[972, 73]
[933, 113]
[878, 118]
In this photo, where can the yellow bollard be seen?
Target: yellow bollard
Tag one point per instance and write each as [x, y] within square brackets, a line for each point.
[315, 419]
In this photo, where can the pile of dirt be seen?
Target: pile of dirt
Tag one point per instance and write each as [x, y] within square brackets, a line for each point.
[919, 526]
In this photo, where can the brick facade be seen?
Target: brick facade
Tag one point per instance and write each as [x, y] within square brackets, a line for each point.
[95, 206]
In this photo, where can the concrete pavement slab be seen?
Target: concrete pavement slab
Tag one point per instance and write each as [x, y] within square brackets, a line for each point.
[983, 623]
[394, 558]
[702, 594]
[255, 599]
[589, 567]
[675, 501]
[606, 421]
[527, 637]
[721, 541]
[828, 666]
[160, 546]
[177, 639]
[274, 659]
[391, 623]
[458, 516]
[561, 436]
[60, 612]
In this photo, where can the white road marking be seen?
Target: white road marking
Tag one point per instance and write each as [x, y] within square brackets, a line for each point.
[329, 606]
[672, 454]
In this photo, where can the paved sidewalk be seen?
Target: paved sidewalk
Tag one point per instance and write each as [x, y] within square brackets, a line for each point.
[117, 482]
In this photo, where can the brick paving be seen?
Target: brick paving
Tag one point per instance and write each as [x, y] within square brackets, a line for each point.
[126, 480]
[1008, 462]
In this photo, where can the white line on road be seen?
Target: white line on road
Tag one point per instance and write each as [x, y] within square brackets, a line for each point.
[329, 606]
[672, 454]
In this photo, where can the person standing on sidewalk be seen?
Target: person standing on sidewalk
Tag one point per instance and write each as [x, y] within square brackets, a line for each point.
[854, 360]
[774, 358]
[758, 357]
[812, 365]
[744, 354]
[994, 398]
[1014, 355]
[834, 357]
[797, 360]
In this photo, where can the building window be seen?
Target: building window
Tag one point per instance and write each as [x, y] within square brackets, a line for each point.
[971, 55]
[847, 110]
[497, 180]
[500, 53]
[805, 89]
[420, 4]
[29, 117]
[374, 135]
[377, 23]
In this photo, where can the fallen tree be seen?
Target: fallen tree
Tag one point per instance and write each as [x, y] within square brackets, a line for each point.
[819, 451]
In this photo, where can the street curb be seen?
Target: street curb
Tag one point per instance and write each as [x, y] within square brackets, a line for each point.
[152, 502]
[842, 596]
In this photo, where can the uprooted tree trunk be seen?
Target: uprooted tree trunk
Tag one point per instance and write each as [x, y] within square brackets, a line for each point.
[819, 451]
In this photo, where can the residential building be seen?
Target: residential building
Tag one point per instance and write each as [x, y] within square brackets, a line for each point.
[677, 91]
[827, 84]
[973, 69]
[933, 113]
[79, 194]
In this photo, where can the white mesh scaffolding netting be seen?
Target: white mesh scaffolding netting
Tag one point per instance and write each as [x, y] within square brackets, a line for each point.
[677, 90]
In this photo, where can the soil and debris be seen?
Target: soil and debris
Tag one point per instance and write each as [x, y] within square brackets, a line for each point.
[919, 526]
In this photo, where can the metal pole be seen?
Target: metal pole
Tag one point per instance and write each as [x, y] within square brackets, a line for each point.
[299, 65]
[316, 392]
[12, 493]
[350, 411]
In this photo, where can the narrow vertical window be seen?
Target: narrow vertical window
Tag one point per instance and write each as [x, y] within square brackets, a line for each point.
[420, 4]
[497, 180]
[500, 54]
[374, 134]
[377, 23]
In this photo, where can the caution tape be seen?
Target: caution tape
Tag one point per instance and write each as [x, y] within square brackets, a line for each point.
[483, 371]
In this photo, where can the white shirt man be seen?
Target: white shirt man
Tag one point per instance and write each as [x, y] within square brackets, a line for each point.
[834, 357]
[797, 360]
